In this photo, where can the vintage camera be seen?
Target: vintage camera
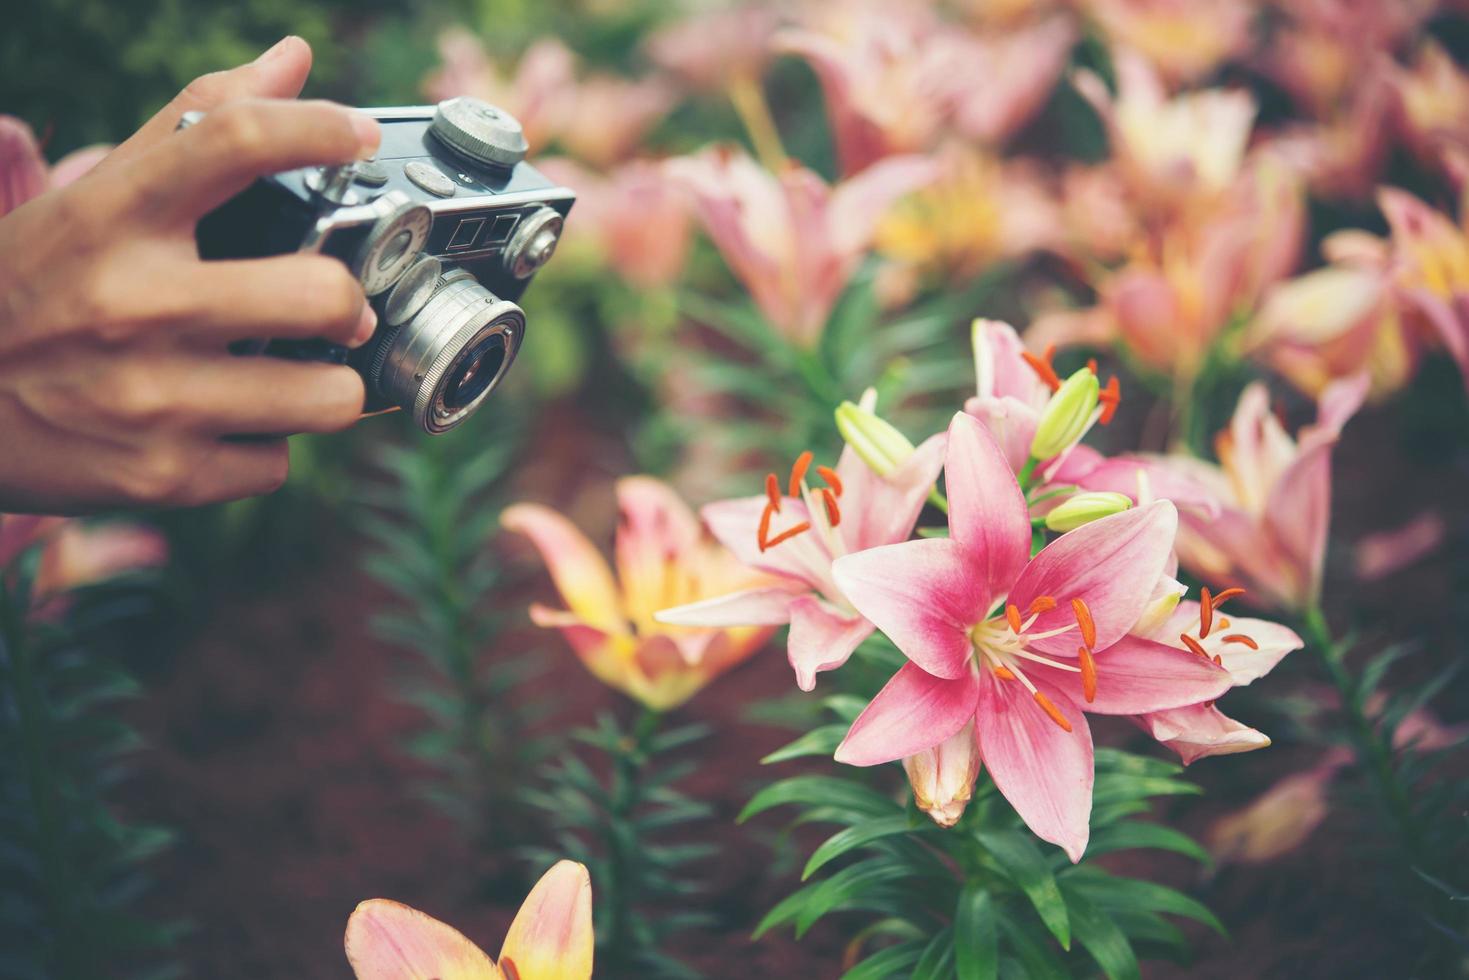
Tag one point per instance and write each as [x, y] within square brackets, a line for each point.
[444, 227]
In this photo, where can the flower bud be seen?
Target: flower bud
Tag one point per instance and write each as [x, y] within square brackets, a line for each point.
[1067, 415]
[1166, 595]
[943, 777]
[881, 447]
[1083, 508]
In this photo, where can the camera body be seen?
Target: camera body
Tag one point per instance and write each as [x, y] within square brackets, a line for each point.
[445, 228]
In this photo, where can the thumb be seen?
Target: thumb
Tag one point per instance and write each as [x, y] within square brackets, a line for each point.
[279, 73]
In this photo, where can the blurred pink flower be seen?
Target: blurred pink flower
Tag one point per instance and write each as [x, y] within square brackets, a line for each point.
[1280, 819]
[635, 217]
[1098, 219]
[1274, 497]
[997, 82]
[1429, 262]
[856, 509]
[1386, 553]
[1431, 97]
[1369, 27]
[792, 240]
[1020, 645]
[24, 173]
[1343, 155]
[535, 93]
[76, 554]
[1318, 69]
[712, 49]
[604, 119]
[663, 559]
[1183, 39]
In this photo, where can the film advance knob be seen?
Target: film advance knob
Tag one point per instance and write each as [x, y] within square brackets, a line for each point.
[480, 131]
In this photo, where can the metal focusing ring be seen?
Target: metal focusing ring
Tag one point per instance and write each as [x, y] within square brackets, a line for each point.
[392, 244]
[427, 351]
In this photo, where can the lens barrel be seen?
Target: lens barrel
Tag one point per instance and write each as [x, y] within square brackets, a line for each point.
[444, 362]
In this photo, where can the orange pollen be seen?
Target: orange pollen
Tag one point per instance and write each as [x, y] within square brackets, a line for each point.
[832, 480]
[1218, 660]
[1241, 638]
[798, 472]
[764, 532]
[833, 512]
[1004, 673]
[772, 491]
[789, 533]
[1224, 622]
[1012, 616]
[1109, 399]
[1206, 612]
[1041, 604]
[1052, 710]
[1226, 595]
[1084, 620]
[1091, 364]
[1042, 367]
[1193, 645]
[1088, 674]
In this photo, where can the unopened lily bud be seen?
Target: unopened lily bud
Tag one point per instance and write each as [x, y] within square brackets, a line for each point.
[1083, 508]
[943, 777]
[1067, 415]
[881, 447]
[1165, 598]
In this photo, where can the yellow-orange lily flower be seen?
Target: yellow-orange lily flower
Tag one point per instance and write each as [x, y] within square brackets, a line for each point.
[663, 559]
[550, 939]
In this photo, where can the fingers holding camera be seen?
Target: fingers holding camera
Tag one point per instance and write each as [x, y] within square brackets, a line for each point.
[292, 296]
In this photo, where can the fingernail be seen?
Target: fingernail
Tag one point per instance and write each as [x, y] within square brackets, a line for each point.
[275, 50]
[369, 135]
[366, 326]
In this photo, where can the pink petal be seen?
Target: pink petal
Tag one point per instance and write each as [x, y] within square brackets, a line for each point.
[1089, 470]
[656, 532]
[1000, 369]
[22, 168]
[389, 941]
[1298, 515]
[925, 595]
[987, 510]
[750, 607]
[1197, 730]
[860, 202]
[576, 566]
[914, 712]
[1245, 665]
[1112, 565]
[821, 639]
[551, 937]
[879, 510]
[1379, 555]
[1011, 422]
[1136, 676]
[736, 524]
[1044, 771]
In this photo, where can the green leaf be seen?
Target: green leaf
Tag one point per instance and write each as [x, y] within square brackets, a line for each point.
[857, 836]
[824, 791]
[1101, 937]
[937, 961]
[1022, 861]
[1138, 834]
[895, 961]
[819, 741]
[976, 942]
[1034, 950]
[1110, 891]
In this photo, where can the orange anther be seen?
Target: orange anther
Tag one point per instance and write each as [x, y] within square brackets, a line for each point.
[1052, 710]
[833, 512]
[832, 480]
[1223, 622]
[1084, 620]
[1088, 674]
[772, 491]
[1226, 595]
[786, 535]
[1012, 616]
[1004, 673]
[1109, 399]
[1206, 612]
[1218, 660]
[798, 472]
[1241, 638]
[1042, 367]
[763, 534]
[1041, 604]
[1091, 364]
[1194, 645]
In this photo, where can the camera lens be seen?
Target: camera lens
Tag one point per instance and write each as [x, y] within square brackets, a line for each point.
[444, 361]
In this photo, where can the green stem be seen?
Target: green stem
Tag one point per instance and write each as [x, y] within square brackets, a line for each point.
[1027, 473]
[1373, 752]
[623, 886]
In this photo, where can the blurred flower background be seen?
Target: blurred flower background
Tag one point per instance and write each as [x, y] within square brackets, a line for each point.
[429, 668]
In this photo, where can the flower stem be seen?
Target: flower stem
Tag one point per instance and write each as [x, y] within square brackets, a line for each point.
[623, 886]
[754, 112]
[1374, 754]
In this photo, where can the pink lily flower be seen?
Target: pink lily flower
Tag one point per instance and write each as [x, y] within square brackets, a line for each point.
[1430, 101]
[1183, 39]
[854, 511]
[998, 81]
[790, 238]
[604, 118]
[663, 558]
[1385, 553]
[1274, 494]
[1429, 259]
[1281, 819]
[550, 938]
[634, 218]
[716, 48]
[1247, 648]
[1020, 645]
[24, 173]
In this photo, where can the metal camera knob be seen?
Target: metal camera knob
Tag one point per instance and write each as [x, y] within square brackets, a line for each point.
[480, 131]
[533, 243]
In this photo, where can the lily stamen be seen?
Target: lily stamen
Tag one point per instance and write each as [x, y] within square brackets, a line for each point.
[1041, 365]
[1226, 595]
[1194, 645]
[1241, 638]
[772, 491]
[832, 480]
[833, 512]
[1088, 674]
[1041, 604]
[1004, 673]
[786, 535]
[1051, 710]
[764, 530]
[1012, 616]
[1206, 612]
[798, 471]
[1084, 620]
[1109, 398]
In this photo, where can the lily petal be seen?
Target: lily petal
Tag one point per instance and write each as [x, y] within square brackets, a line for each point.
[821, 639]
[1111, 565]
[987, 511]
[655, 530]
[736, 524]
[1011, 422]
[879, 510]
[925, 595]
[769, 606]
[1044, 771]
[1136, 676]
[1200, 730]
[914, 712]
[551, 937]
[390, 941]
[578, 569]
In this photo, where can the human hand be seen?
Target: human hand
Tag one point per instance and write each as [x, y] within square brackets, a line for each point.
[116, 384]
